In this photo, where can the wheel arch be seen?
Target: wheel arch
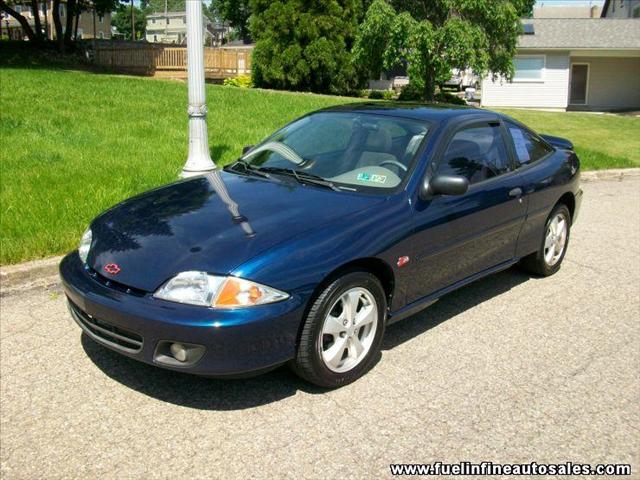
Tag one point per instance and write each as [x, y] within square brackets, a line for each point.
[569, 200]
[376, 266]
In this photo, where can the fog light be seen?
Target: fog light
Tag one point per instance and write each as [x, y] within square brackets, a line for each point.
[179, 352]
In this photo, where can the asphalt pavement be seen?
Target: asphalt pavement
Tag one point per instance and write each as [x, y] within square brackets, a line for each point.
[511, 369]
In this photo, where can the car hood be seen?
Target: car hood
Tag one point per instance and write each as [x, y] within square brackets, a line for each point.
[211, 223]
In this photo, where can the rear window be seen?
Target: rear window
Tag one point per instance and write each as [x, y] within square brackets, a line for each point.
[528, 146]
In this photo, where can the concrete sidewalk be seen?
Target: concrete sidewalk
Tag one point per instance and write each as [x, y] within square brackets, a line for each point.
[511, 369]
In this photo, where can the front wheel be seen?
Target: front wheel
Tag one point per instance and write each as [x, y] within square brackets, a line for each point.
[548, 259]
[341, 335]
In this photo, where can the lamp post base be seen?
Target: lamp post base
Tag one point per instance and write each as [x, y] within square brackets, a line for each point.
[195, 173]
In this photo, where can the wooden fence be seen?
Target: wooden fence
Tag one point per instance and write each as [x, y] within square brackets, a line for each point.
[218, 62]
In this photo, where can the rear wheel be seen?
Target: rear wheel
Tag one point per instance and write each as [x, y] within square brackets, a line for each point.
[341, 335]
[548, 259]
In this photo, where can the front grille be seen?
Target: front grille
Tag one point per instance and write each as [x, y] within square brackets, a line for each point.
[104, 332]
[115, 285]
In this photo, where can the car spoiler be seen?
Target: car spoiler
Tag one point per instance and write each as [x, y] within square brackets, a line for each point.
[558, 142]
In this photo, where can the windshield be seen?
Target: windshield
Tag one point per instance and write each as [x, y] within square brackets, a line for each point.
[353, 151]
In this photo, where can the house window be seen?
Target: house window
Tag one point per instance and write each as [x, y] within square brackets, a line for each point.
[18, 8]
[184, 19]
[153, 20]
[100, 18]
[155, 38]
[101, 35]
[167, 21]
[529, 68]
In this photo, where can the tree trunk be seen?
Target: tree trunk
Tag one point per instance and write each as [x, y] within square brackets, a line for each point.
[75, 30]
[23, 21]
[58, 25]
[71, 9]
[36, 20]
[429, 85]
[133, 23]
[46, 21]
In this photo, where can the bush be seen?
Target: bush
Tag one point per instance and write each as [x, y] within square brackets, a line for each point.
[381, 94]
[413, 93]
[242, 81]
[445, 97]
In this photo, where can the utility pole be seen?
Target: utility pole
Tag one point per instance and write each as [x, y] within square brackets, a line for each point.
[199, 159]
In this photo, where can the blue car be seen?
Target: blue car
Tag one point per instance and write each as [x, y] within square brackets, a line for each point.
[310, 244]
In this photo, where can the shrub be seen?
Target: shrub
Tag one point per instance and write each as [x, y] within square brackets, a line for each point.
[446, 97]
[412, 93]
[381, 94]
[242, 81]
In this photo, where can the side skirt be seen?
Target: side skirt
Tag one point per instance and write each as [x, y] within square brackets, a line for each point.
[432, 298]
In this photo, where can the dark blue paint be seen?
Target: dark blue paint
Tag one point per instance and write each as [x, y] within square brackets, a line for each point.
[293, 237]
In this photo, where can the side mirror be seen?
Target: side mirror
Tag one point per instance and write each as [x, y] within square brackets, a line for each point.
[246, 148]
[444, 185]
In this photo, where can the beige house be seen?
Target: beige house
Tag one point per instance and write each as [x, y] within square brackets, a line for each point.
[572, 64]
[90, 24]
[171, 27]
[567, 9]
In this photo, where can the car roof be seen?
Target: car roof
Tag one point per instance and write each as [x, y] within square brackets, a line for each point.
[417, 111]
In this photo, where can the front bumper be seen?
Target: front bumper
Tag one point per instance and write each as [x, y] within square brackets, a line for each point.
[236, 341]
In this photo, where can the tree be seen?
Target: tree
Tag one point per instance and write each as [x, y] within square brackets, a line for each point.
[122, 21]
[237, 13]
[33, 34]
[304, 44]
[435, 36]
[66, 36]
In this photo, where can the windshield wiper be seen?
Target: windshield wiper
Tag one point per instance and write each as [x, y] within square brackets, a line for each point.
[302, 177]
[242, 166]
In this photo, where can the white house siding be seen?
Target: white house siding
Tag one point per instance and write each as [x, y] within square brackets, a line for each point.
[614, 82]
[551, 92]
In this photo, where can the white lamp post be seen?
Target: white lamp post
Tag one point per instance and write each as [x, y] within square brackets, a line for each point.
[199, 159]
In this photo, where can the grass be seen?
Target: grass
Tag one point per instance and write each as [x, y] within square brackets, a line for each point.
[75, 143]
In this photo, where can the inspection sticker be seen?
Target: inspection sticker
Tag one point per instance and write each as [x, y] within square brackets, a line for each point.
[368, 177]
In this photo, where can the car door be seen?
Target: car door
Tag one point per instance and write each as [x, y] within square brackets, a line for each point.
[457, 237]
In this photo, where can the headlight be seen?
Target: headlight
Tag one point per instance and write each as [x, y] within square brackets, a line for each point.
[200, 288]
[85, 245]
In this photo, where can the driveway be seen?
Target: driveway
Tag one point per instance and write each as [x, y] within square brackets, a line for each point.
[509, 369]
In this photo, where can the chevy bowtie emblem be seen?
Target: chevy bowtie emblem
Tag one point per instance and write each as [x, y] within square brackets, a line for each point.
[112, 268]
[402, 261]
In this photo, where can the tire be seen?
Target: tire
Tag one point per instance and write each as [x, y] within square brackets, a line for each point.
[538, 262]
[316, 345]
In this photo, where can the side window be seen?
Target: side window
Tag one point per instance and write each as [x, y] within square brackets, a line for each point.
[477, 152]
[528, 146]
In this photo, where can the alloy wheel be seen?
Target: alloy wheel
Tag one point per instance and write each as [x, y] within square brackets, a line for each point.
[348, 330]
[555, 239]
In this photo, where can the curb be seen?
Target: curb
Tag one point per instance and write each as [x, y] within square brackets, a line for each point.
[613, 174]
[23, 273]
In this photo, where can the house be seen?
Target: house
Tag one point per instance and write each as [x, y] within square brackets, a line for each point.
[567, 9]
[572, 64]
[621, 9]
[90, 24]
[171, 27]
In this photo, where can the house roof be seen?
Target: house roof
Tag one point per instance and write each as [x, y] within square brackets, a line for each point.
[582, 33]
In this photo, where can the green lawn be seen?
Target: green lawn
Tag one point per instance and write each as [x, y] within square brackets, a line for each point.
[75, 143]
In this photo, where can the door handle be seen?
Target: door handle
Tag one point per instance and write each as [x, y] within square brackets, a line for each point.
[515, 192]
